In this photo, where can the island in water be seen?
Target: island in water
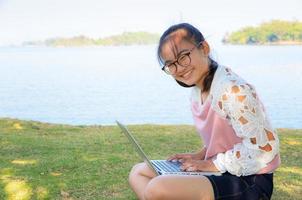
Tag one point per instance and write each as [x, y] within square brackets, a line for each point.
[275, 32]
[126, 38]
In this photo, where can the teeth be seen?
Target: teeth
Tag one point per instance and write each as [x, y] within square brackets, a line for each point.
[187, 74]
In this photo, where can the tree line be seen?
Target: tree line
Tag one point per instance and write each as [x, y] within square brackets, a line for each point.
[273, 32]
[126, 38]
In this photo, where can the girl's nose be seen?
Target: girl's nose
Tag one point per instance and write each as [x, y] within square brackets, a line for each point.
[180, 69]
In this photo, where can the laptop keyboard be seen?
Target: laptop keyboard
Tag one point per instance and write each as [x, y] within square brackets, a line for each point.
[167, 165]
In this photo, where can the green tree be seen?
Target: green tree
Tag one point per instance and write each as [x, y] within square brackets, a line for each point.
[270, 32]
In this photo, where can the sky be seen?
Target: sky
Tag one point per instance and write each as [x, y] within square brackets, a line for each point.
[32, 20]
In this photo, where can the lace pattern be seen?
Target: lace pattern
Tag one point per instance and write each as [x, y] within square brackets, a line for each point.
[237, 101]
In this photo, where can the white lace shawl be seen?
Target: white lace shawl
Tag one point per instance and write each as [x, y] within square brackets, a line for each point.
[236, 100]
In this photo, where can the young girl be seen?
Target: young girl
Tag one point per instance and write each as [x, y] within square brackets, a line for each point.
[238, 138]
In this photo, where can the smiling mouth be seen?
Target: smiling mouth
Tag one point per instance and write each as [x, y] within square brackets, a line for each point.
[187, 74]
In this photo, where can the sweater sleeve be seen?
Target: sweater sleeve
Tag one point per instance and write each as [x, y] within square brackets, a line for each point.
[244, 111]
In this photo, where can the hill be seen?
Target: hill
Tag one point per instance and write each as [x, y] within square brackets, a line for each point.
[126, 38]
[273, 32]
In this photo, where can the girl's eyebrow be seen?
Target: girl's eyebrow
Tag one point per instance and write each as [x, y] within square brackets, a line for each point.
[184, 50]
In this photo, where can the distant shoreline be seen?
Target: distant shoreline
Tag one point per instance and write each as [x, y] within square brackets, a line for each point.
[29, 121]
[280, 43]
[126, 38]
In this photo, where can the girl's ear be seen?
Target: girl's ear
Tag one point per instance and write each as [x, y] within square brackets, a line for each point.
[205, 47]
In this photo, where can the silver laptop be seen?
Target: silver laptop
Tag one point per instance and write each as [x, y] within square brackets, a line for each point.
[160, 167]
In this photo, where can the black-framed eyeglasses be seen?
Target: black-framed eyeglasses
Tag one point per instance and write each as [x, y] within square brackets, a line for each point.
[182, 60]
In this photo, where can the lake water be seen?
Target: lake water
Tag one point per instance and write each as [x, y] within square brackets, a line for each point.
[97, 85]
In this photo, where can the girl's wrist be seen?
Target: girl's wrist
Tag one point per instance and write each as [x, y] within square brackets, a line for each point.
[211, 166]
[202, 153]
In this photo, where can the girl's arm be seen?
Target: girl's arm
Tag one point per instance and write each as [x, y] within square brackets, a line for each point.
[241, 106]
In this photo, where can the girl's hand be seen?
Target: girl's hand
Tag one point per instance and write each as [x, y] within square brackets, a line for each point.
[182, 157]
[200, 155]
[199, 165]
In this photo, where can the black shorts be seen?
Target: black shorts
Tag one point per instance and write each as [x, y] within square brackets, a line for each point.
[228, 186]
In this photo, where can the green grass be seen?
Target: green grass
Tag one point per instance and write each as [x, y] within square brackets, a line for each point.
[50, 161]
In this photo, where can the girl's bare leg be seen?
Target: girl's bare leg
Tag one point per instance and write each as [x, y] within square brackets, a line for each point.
[179, 187]
[148, 186]
[139, 177]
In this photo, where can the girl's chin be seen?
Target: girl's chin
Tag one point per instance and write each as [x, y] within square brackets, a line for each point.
[188, 82]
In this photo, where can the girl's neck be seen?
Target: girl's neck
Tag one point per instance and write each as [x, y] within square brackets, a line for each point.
[199, 84]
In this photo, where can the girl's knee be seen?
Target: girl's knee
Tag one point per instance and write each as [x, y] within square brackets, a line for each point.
[155, 189]
[135, 171]
[136, 167]
[140, 169]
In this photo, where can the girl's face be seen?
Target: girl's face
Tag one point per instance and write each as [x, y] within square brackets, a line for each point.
[197, 62]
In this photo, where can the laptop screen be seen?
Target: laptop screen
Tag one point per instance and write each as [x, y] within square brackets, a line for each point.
[136, 146]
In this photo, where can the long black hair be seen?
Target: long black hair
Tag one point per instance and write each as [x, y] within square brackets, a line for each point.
[193, 35]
